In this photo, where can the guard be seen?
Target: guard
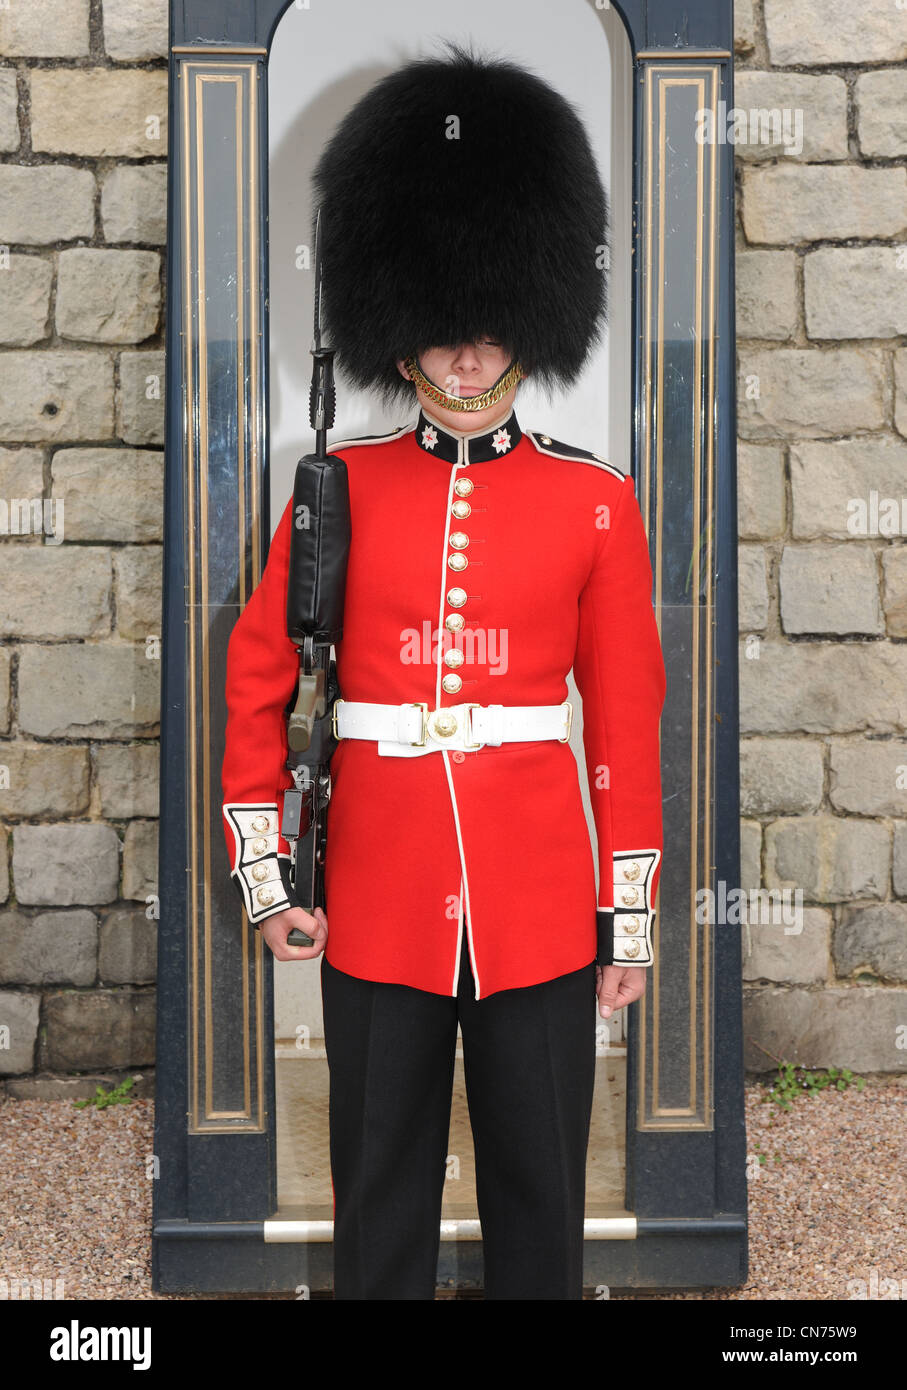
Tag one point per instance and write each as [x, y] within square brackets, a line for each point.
[464, 223]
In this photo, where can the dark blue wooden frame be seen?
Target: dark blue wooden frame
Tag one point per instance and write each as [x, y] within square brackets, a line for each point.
[216, 1184]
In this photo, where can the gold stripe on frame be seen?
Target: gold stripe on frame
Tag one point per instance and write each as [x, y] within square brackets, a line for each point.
[197, 80]
[663, 140]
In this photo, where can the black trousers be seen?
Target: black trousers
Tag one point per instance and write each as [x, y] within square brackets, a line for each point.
[529, 1063]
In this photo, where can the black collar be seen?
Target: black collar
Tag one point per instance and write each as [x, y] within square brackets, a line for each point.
[476, 448]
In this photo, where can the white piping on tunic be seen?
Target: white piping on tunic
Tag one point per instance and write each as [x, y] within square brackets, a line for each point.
[397, 433]
[595, 461]
[445, 573]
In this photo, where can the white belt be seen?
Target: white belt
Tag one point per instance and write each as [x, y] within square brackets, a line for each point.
[409, 730]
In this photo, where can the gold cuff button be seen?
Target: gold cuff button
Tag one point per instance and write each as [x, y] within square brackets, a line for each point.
[260, 872]
[632, 870]
[261, 823]
[259, 846]
[630, 897]
[265, 896]
[632, 949]
[631, 925]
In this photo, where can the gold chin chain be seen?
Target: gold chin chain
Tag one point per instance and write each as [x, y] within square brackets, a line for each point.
[513, 374]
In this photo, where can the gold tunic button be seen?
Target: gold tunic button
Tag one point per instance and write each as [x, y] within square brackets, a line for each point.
[454, 657]
[456, 597]
[259, 846]
[463, 487]
[629, 897]
[260, 873]
[451, 684]
[265, 896]
[454, 622]
[461, 509]
[444, 723]
[457, 561]
[261, 823]
[544, 439]
[630, 925]
[459, 540]
[632, 949]
[632, 870]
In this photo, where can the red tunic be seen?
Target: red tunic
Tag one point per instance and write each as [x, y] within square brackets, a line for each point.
[486, 850]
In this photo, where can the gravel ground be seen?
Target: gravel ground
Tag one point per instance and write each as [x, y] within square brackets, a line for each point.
[827, 1207]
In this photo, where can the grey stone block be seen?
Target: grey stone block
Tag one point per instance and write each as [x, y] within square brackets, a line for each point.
[46, 396]
[139, 579]
[789, 953]
[99, 111]
[25, 300]
[108, 296]
[761, 501]
[832, 860]
[96, 690]
[80, 580]
[88, 1029]
[43, 779]
[128, 948]
[844, 488]
[45, 203]
[128, 779]
[830, 589]
[110, 494]
[135, 30]
[856, 1027]
[140, 859]
[822, 688]
[18, 1031]
[59, 865]
[52, 948]
[134, 204]
[780, 775]
[811, 393]
[874, 940]
[44, 29]
[140, 397]
[869, 776]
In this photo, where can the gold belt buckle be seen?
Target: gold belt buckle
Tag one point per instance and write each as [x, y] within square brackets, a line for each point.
[469, 706]
[423, 706]
[337, 735]
[566, 738]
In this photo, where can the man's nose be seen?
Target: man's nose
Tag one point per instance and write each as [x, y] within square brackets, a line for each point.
[466, 359]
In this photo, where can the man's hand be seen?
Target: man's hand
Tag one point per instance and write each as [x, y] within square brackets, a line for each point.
[618, 985]
[277, 928]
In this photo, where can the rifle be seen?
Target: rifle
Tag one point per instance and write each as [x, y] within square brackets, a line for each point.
[319, 551]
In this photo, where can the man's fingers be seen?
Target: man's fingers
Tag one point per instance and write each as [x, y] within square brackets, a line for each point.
[619, 985]
[314, 925]
[608, 979]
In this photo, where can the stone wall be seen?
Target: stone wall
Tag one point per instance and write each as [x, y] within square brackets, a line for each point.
[83, 184]
[821, 270]
[822, 413]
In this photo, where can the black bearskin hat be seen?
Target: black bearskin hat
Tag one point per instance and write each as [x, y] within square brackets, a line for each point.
[460, 197]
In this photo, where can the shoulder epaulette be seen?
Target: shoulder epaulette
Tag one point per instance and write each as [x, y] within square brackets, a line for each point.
[370, 438]
[555, 449]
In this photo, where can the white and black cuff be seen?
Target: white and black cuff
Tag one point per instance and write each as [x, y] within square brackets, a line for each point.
[625, 930]
[260, 871]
